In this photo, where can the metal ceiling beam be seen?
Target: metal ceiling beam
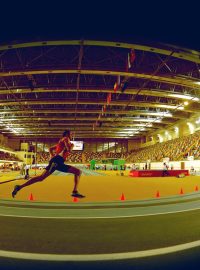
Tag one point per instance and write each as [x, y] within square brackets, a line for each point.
[175, 80]
[81, 128]
[169, 103]
[131, 91]
[181, 53]
[66, 124]
[42, 137]
[100, 102]
[86, 132]
[177, 114]
[107, 119]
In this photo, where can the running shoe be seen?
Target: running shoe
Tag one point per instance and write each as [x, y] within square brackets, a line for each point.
[77, 195]
[16, 189]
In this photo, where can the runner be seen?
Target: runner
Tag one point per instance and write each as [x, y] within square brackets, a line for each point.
[58, 154]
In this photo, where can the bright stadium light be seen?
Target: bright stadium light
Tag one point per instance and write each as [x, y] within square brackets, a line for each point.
[150, 120]
[187, 97]
[130, 129]
[176, 129]
[180, 108]
[167, 115]
[157, 120]
[191, 127]
[160, 138]
[168, 136]
[197, 121]
[140, 125]
[163, 114]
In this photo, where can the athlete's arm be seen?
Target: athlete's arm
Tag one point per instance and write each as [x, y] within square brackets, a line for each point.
[51, 150]
[68, 144]
[72, 146]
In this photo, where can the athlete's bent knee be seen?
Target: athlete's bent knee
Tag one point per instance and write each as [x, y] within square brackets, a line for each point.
[79, 172]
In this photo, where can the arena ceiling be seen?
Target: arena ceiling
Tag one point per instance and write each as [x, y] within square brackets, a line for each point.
[49, 86]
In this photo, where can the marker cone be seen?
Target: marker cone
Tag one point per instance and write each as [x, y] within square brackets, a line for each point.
[75, 199]
[122, 197]
[158, 194]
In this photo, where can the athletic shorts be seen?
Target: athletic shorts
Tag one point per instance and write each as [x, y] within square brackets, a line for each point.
[57, 163]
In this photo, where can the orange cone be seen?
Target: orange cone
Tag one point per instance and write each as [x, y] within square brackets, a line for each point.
[196, 188]
[122, 197]
[31, 197]
[75, 199]
[158, 194]
[181, 192]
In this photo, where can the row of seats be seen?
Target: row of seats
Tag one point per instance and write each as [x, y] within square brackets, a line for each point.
[80, 157]
[8, 156]
[177, 149]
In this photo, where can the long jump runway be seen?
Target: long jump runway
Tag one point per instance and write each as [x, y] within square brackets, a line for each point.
[148, 233]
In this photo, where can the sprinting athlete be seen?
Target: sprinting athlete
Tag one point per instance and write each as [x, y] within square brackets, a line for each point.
[58, 154]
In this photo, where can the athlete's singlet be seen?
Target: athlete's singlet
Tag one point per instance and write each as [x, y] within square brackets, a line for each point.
[61, 148]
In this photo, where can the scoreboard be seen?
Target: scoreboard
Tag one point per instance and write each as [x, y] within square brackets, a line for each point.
[78, 145]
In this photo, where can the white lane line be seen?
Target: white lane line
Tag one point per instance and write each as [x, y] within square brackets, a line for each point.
[135, 203]
[98, 257]
[100, 217]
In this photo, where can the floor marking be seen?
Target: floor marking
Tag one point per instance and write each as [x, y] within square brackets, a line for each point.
[99, 217]
[145, 202]
[98, 257]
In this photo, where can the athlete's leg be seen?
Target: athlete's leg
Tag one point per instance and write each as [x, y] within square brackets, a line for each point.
[48, 170]
[33, 180]
[36, 179]
[77, 174]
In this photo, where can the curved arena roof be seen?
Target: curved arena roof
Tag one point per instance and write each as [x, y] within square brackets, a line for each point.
[49, 86]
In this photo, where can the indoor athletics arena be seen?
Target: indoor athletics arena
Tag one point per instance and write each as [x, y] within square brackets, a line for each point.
[133, 111]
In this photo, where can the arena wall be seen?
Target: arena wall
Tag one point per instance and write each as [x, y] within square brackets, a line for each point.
[177, 165]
